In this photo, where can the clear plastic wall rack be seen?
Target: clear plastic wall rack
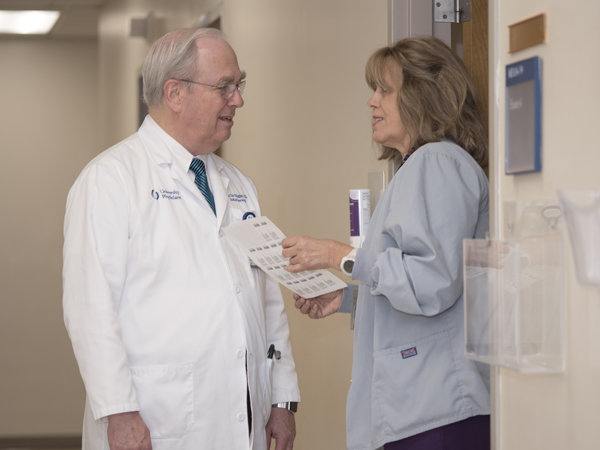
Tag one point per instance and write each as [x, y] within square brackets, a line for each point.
[514, 293]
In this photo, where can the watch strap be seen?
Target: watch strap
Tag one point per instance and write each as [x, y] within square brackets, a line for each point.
[290, 406]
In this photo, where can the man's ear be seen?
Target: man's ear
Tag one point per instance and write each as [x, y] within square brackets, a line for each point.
[174, 93]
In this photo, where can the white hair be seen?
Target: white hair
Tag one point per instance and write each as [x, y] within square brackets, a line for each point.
[174, 56]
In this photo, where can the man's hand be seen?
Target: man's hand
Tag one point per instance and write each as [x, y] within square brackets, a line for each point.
[306, 253]
[127, 431]
[321, 306]
[281, 427]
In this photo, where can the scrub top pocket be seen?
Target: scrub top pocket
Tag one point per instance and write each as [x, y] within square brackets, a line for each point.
[420, 365]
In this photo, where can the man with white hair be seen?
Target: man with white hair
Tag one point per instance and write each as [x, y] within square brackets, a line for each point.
[176, 333]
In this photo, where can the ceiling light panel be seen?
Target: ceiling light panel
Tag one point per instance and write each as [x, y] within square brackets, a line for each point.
[27, 22]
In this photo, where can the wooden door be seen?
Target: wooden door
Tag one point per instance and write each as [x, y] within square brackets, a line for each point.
[475, 51]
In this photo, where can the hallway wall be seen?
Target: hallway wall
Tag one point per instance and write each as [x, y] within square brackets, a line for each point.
[48, 132]
[554, 412]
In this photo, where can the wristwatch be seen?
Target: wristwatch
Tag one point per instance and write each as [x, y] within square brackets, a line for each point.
[290, 406]
[348, 263]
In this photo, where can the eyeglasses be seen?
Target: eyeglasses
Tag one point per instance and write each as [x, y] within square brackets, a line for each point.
[226, 90]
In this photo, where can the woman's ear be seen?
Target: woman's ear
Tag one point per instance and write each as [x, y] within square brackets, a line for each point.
[174, 94]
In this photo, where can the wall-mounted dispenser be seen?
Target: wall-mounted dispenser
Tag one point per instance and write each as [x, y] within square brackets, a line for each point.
[582, 214]
[513, 292]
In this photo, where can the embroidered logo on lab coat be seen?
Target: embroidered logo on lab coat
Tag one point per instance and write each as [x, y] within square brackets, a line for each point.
[409, 352]
[164, 193]
[238, 198]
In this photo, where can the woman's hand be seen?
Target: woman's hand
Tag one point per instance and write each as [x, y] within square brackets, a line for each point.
[306, 253]
[321, 306]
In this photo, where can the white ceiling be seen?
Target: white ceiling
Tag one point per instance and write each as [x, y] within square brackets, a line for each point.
[78, 19]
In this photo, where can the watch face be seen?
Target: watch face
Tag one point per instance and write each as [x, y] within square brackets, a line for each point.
[348, 266]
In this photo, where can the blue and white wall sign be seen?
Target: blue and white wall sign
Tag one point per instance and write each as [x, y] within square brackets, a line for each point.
[524, 116]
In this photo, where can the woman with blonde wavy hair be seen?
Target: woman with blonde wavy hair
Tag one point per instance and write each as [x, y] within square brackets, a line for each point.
[413, 387]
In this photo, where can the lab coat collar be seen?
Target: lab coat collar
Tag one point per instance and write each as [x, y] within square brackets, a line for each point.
[179, 160]
[155, 140]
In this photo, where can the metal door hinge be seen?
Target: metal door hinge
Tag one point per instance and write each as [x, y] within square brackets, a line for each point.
[455, 11]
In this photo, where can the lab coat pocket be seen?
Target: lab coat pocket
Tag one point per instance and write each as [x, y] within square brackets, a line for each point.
[166, 397]
[415, 384]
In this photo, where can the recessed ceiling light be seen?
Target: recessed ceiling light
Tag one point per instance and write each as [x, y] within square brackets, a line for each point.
[27, 22]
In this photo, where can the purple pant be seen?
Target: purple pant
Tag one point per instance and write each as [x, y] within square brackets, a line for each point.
[469, 434]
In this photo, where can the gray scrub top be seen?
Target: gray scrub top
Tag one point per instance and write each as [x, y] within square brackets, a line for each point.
[410, 373]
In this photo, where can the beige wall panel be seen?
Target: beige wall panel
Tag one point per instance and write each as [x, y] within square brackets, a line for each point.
[555, 412]
[48, 132]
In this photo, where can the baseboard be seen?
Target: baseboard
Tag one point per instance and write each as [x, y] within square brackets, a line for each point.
[41, 442]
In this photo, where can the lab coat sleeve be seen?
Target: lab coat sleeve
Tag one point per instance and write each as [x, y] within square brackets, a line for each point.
[434, 207]
[285, 381]
[94, 269]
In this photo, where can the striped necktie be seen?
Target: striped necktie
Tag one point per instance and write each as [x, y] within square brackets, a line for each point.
[197, 166]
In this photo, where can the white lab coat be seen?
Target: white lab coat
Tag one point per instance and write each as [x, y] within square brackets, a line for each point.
[162, 309]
